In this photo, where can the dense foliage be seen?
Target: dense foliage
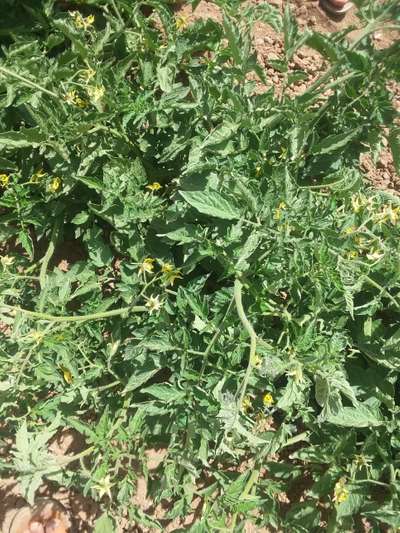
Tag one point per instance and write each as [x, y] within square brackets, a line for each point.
[189, 265]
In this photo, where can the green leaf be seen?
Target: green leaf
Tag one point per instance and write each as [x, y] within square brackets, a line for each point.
[137, 380]
[26, 241]
[80, 218]
[164, 392]
[231, 33]
[165, 77]
[25, 137]
[91, 182]
[394, 143]
[104, 524]
[334, 142]
[324, 45]
[384, 514]
[321, 390]
[6, 164]
[212, 203]
[357, 417]
[220, 135]
[248, 249]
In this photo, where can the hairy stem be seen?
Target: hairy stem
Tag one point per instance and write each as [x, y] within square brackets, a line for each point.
[253, 339]
[214, 339]
[33, 84]
[77, 318]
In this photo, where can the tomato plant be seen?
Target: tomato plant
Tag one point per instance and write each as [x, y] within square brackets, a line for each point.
[190, 265]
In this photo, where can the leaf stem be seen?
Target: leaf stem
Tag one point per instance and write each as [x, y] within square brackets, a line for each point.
[33, 84]
[76, 318]
[238, 286]
[63, 461]
[382, 289]
[214, 339]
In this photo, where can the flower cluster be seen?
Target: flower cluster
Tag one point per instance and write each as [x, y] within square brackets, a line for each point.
[82, 23]
[169, 273]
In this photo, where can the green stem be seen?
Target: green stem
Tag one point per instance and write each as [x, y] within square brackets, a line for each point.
[246, 491]
[63, 461]
[8, 72]
[382, 289]
[214, 339]
[76, 318]
[253, 339]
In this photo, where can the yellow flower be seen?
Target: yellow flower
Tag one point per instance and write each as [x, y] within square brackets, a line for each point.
[80, 102]
[349, 230]
[361, 461]
[359, 201]
[391, 214]
[104, 486]
[7, 261]
[37, 176]
[375, 255]
[82, 22]
[258, 171]
[170, 276]
[257, 360]
[153, 304]
[4, 180]
[37, 336]
[181, 22]
[155, 186]
[146, 266]
[89, 20]
[55, 184]
[167, 267]
[356, 203]
[278, 211]
[246, 403]
[72, 97]
[96, 93]
[360, 241]
[67, 375]
[353, 254]
[340, 493]
[87, 74]
[268, 399]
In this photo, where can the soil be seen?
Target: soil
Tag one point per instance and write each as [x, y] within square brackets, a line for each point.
[380, 173]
